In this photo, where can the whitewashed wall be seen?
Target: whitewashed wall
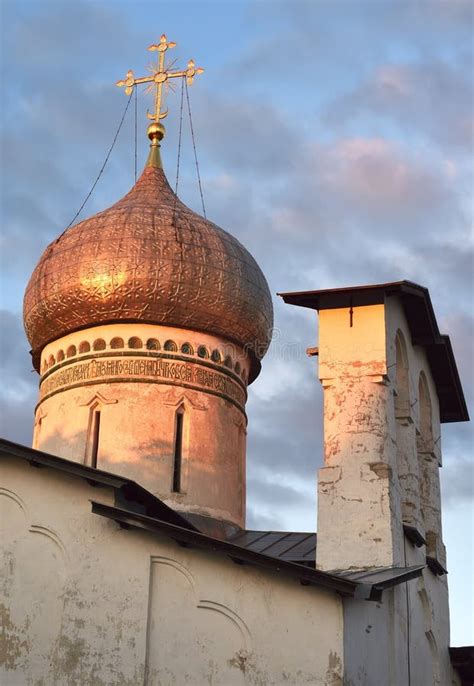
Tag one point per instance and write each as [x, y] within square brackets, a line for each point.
[86, 602]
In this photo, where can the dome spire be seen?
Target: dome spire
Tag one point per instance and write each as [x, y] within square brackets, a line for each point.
[160, 74]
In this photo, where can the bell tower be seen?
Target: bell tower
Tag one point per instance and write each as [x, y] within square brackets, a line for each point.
[389, 380]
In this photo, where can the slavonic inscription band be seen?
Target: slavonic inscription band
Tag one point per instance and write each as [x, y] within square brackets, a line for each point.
[154, 370]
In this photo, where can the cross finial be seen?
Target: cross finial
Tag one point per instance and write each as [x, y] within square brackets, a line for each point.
[159, 77]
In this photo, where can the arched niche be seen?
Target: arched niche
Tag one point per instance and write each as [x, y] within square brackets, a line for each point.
[425, 425]
[402, 378]
[135, 343]
[71, 351]
[429, 477]
[407, 457]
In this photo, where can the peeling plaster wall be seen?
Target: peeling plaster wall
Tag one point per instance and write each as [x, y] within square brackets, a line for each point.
[381, 648]
[380, 640]
[359, 505]
[138, 417]
[86, 602]
[428, 597]
[427, 453]
[381, 471]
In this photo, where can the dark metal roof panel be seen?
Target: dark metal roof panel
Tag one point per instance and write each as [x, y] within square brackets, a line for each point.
[384, 577]
[283, 545]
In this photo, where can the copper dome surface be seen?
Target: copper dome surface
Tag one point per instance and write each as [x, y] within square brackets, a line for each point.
[133, 263]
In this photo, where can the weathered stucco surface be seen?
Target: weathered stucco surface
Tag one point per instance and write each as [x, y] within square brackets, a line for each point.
[138, 412]
[359, 520]
[89, 603]
[382, 453]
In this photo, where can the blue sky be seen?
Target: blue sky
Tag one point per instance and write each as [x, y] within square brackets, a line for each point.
[335, 141]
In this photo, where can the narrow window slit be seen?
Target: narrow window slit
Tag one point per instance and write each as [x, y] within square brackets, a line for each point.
[95, 437]
[178, 453]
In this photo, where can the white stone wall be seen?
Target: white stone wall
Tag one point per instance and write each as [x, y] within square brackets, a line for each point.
[382, 648]
[428, 598]
[88, 603]
[359, 516]
[381, 471]
[417, 447]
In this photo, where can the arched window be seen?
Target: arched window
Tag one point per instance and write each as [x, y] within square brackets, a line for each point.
[407, 462]
[237, 367]
[152, 344]
[84, 347]
[203, 352]
[71, 351]
[135, 343]
[51, 361]
[216, 356]
[187, 349]
[228, 362]
[425, 437]
[60, 355]
[402, 388]
[93, 436]
[99, 344]
[116, 343]
[45, 366]
[429, 475]
[170, 346]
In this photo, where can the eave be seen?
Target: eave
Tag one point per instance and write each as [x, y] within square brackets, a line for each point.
[423, 327]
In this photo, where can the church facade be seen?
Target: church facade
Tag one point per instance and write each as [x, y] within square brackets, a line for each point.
[126, 555]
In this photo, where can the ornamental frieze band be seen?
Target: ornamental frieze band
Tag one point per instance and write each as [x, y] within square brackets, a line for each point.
[153, 370]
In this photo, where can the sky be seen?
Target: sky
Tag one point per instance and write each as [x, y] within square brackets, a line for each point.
[335, 142]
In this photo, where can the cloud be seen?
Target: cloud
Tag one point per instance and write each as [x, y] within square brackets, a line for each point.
[19, 388]
[322, 152]
[294, 503]
[433, 100]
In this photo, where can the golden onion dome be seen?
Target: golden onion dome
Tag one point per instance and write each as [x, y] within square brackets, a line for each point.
[149, 259]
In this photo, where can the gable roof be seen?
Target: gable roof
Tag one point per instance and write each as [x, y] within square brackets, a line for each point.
[135, 507]
[423, 327]
[235, 552]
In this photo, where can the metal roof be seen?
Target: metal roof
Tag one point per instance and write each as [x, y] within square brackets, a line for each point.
[283, 545]
[236, 553]
[423, 327]
[289, 553]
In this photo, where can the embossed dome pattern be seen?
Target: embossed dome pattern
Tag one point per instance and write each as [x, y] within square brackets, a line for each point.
[132, 262]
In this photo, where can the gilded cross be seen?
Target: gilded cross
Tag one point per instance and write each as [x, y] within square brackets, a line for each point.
[160, 74]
